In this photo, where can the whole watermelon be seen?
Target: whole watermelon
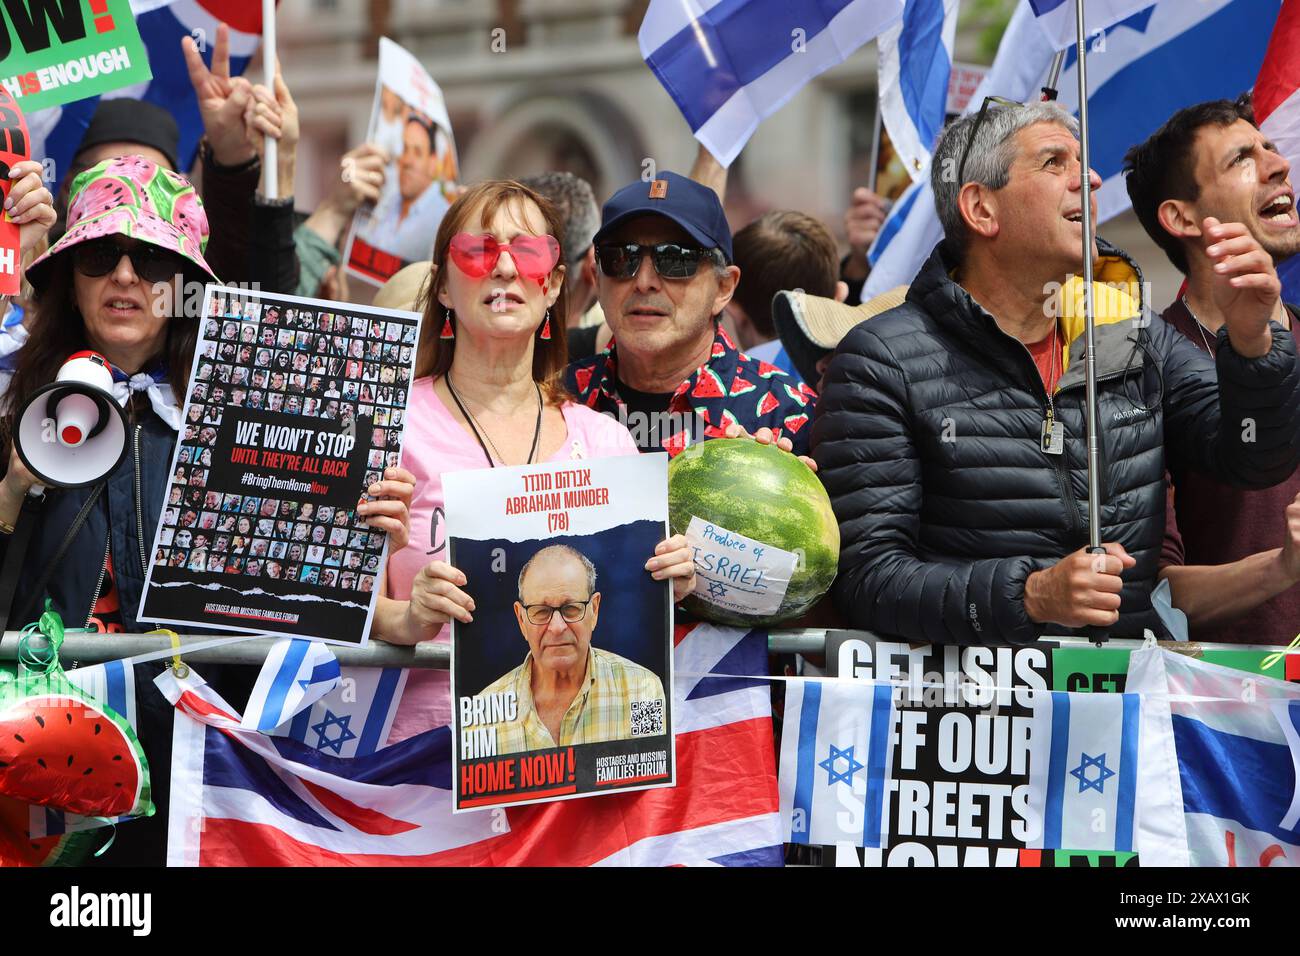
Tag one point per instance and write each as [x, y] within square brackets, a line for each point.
[762, 493]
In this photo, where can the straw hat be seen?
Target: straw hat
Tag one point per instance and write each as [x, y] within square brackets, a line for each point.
[810, 326]
[402, 290]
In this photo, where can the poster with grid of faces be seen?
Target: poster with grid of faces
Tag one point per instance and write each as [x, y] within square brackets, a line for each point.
[294, 408]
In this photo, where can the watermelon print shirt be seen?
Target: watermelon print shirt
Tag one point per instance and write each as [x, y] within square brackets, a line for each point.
[730, 388]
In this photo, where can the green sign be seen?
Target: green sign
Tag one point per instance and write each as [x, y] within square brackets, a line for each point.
[56, 51]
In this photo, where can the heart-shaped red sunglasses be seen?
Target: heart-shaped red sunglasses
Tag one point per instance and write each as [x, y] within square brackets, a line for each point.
[476, 256]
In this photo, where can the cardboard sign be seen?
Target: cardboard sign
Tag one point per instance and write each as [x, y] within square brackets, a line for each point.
[409, 119]
[56, 51]
[559, 682]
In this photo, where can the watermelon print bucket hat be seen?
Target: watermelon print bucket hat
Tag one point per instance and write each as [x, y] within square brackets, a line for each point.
[132, 196]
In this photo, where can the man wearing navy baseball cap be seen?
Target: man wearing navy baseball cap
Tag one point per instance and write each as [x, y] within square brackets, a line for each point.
[672, 375]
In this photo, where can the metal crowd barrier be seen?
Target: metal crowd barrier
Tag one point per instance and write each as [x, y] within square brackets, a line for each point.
[94, 648]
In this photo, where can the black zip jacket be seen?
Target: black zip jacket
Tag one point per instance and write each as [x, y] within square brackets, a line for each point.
[927, 437]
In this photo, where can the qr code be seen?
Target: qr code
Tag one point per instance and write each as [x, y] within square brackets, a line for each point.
[647, 717]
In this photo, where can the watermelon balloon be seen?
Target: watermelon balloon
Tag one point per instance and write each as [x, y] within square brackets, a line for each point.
[767, 542]
[67, 752]
[60, 748]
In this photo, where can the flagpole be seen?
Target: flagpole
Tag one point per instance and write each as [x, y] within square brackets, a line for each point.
[1053, 77]
[1090, 355]
[270, 156]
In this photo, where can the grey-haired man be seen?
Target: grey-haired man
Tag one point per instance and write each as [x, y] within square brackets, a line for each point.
[951, 434]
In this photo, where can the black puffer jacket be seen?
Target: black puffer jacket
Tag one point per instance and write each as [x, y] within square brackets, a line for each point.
[927, 437]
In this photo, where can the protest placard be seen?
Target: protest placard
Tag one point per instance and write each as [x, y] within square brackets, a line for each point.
[54, 53]
[558, 683]
[409, 120]
[295, 407]
[961, 783]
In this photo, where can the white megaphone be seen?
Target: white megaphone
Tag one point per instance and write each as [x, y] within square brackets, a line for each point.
[72, 432]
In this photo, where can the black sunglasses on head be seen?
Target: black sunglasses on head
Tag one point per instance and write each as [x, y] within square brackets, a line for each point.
[99, 257]
[979, 121]
[671, 259]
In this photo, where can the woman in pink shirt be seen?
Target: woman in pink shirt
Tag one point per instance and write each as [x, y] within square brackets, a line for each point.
[487, 393]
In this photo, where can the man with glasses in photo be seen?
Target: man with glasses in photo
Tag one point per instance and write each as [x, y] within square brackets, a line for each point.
[566, 691]
[951, 433]
[672, 375]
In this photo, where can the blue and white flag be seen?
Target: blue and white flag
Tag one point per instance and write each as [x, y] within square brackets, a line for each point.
[295, 675]
[729, 64]
[112, 684]
[1084, 770]
[912, 230]
[915, 65]
[836, 756]
[353, 719]
[1141, 70]
[1221, 761]
[1057, 17]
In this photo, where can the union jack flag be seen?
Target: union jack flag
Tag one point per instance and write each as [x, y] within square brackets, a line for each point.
[241, 798]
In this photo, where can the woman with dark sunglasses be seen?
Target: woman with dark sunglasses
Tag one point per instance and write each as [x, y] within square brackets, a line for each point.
[487, 393]
[133, 230]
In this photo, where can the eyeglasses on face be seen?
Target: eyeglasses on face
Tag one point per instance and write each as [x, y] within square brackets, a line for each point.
[476, 256]
[570, 613]
[979, 121]
[671, 260]
[99, 257]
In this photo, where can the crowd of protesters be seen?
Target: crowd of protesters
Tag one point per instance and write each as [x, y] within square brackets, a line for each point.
[946, 419]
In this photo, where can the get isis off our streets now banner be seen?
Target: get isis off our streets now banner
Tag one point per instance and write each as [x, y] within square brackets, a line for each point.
[961, 788]
[558, 683]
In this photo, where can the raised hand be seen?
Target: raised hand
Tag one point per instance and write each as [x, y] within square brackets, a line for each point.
[1246, 288]
[222, 100]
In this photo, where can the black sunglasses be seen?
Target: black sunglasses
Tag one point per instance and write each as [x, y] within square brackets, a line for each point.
[671, 260]
[99, 257]
[979, 121]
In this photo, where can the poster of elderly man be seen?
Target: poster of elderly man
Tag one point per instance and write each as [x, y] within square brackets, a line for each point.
[560, 678]
[409, 122]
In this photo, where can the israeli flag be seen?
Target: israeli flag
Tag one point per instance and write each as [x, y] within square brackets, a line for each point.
[1220, 764]
[915, 66]
[1084, 770]
[1167, 55]
[353, 719]
[112, 684]
[729, 64]
[912, 230]
[836, 755]
[1057, 17]
[296, 674]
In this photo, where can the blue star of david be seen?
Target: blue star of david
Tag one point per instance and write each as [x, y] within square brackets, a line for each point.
[717, 589]
[837, 776]
[1097, 783]
[335, 744]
